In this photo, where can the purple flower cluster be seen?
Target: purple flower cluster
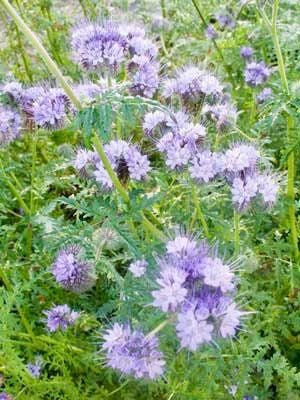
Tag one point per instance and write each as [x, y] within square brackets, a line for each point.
[104, 47]
[126, 160]
[264, 95]
[138, 268]
[225, 20]
[224, 115]
[175, 136]
[198, 287]
[10, 125]
[35, 368]
[5, 396]
[60, 318]
[71, 272]
[98, 46]
[210, 32]
[256, 73]
[132, 353]
[193, 85]
[246, 52]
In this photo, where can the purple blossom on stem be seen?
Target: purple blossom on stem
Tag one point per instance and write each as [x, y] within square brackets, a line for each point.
[241, 158]
[268, 187]
[5, 396]
[145, 79]
[243, 191]
[225, 21]
[206, 165]
[71, 272]
[13, 89]
[10, 125]
[126, 160]
[138, 268]
[246, 52]
[35, 368]
[193, 85]
[256, 73]
[99, 46]
[60, 317]
[217, 274]
[224, 115]
[210, 32]
[192, 327]
[264, 95]
[85, 159]
[132, 353]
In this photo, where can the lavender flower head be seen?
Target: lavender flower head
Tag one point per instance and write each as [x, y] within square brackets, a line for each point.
[50, 109]
[206, 165]
[256, 73]
[10, 125]
[71, 272]
[126, 160]
[264, 95]
[13, 89]
[60, 318]
[132, 353]
[198, 286]
[145, 76]
[35, 368]
[5, 396]
[225, 21]
[138, 268]
[193, 85]
[210, 32]
[246, 52]
[85, 160]
[224, 115]
[98, 47]
[240, 158]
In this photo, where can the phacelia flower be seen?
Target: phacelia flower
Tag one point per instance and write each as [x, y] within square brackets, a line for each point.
[10, 125]
[246, 52]
[225, 21]
[88, 91]
[229, 317]
[217, 274]
[243, 191]
[71, 272]
[241, 158]
[193, 85]
[60, 317]
[268, 187]
[98, 47]
[264, 95]
[13, 89]
[193, 329]
[224, 115]
[256, 73]
[138, 268]
[152, 120]
[210, 32]
[205, 166]
[143, 47]
[132, 353]
[5, 396]
[171, 293]
[85, 159]
[145, 76]
[50, 109]
[126, 160]
[35, 368]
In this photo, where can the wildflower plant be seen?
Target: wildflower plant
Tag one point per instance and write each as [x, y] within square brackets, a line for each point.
[149, 230]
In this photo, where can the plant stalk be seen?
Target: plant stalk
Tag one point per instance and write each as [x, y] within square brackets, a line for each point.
[236, 222]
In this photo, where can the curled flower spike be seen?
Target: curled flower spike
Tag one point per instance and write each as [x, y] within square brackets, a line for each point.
[60, 317]
[132, 353]
[226, 21]
[126, 160]
[138, 268]
[97, 47]
[246, 52]
[206, 165]
[71, 272]
[10, 125]
[193, 85]
[256, 73]
[198, 286]
[224, 115]
[210, 32]
[14, 90]
[35, 368]
[264, 95]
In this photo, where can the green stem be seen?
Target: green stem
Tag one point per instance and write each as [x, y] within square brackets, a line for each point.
[119, 388]
[200, 215]
[33, 39]
[152, 228]
[113, 176]
[291, 192]
[236, 220]
[163, 8]
[227, 67]
[158, 328]
[272, 27]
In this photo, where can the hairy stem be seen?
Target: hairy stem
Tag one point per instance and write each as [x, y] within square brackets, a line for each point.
[33, 39]
[236, 222]
[200, 215]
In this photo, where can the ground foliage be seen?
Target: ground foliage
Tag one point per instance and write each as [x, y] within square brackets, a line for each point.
[263, 360]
